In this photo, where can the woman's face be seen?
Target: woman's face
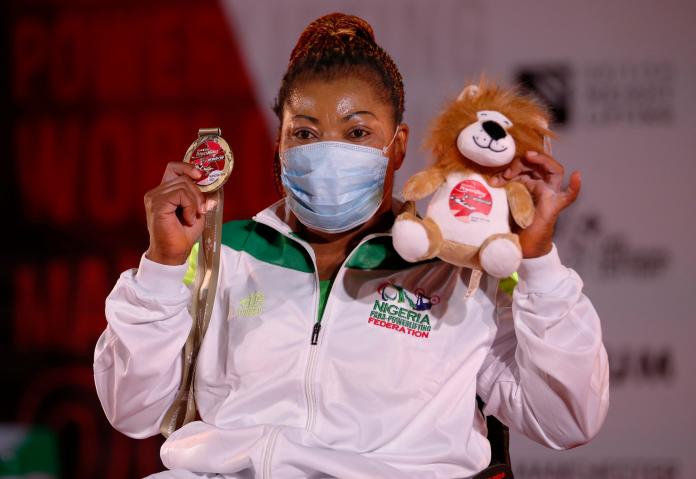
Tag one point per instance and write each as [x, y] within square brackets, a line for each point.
[343, 109]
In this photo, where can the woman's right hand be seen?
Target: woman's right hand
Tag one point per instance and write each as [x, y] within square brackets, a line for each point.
[175, 214]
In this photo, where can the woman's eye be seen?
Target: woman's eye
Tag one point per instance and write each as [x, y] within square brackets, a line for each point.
[303, 135]
[359, 133]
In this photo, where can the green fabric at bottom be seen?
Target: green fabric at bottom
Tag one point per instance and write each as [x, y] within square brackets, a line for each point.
[32, 451]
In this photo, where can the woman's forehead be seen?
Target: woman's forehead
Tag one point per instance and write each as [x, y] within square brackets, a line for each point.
[336, 98]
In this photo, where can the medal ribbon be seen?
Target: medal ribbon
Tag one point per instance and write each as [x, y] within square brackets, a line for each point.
[183, 409]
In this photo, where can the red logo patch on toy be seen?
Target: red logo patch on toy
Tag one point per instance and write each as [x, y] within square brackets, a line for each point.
[468, 197]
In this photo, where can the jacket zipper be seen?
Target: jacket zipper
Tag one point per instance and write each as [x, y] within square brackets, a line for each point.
[311, 363]
[314, 340]
[315, 333]
[308, 389]
[316, 328]
[268, 452]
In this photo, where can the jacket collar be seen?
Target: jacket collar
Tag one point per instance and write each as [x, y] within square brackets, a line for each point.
[279, 217]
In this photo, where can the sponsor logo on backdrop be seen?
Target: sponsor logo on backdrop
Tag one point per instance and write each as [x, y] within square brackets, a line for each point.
[604, 94]
[402, 311]
[552, 85]
[628, 93]
[592, 249]
[641, 365]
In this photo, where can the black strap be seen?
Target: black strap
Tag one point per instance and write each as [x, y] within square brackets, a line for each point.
[499, 471]
[499, 438]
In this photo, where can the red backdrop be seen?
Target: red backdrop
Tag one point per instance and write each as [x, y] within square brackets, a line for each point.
[99, 97]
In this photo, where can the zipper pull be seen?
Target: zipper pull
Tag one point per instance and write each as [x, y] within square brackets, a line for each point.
[315, 333]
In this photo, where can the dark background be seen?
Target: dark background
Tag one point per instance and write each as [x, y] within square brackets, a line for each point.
[96, 98]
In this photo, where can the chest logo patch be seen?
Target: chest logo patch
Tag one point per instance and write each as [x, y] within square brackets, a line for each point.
[469, 197]
[251, 305]
[401, 311]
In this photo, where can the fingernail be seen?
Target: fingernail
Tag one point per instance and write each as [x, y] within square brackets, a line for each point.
[532, 153]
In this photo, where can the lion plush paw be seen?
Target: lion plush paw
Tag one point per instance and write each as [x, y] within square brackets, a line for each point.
[500, 258]
[422, 184]
[410, 239]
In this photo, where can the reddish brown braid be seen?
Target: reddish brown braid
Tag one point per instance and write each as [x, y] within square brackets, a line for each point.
[339, 45]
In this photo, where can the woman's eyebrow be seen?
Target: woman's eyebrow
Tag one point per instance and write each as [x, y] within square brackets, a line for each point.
[306, 117]
[361, 112]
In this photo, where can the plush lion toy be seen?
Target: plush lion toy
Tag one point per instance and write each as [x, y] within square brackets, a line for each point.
[468, 221]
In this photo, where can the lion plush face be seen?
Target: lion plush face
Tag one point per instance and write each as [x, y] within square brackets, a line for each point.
[487, 141]
[486, 127]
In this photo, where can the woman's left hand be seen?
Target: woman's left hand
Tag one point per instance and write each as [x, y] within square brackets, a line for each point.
[543, 177]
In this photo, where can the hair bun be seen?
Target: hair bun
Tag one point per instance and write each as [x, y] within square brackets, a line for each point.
[336, 31]
[349, 26]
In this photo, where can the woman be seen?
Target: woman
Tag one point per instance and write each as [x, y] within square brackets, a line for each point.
[300, 375]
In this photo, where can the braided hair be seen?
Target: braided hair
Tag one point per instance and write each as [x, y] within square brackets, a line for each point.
[339, 45]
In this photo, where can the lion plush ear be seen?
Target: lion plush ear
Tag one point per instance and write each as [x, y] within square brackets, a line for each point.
[470, 91]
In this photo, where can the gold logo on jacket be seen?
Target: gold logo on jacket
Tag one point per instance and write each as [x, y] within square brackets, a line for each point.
[251, 305]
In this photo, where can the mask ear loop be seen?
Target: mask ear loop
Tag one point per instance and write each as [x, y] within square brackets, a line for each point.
[386, 148]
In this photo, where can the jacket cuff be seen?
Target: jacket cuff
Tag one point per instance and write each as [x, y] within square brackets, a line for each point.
[160, 278]
[542, 274]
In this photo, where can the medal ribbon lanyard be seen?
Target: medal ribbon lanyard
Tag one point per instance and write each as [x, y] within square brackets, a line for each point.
[212, 155]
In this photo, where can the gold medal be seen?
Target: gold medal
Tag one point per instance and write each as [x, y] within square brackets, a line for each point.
[210, 154]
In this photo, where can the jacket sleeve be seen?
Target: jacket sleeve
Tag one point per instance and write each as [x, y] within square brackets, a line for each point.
[546, 374]
[137, 360]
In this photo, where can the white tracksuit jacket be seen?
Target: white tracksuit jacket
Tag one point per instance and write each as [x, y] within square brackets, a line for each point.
[389, 389]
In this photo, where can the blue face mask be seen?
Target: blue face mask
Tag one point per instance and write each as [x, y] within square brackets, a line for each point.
[334, 186]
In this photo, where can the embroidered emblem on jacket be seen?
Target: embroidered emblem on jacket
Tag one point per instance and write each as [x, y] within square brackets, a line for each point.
[251, 305]
[396, 309]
